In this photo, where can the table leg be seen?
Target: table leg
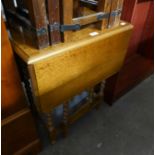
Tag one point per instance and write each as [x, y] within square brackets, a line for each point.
[91, 96]
[101, 94]
[51, 128]
[65, 118]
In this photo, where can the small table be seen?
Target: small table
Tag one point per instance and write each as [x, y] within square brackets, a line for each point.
[59, 72]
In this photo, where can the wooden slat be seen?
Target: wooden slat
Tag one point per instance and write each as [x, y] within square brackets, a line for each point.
[83, 110]
[104, 6]
[79, 113]
[120, 6]
[69, 6]
[38, 18]
[92, 18]
[92, 4]
[67, 17]
[54, 18]
[115, 20]
[112, 20]
[35, 14]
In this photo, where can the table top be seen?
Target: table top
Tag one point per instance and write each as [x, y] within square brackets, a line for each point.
[69, 68]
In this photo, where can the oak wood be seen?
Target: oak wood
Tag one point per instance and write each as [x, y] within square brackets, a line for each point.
[65, 118]
[115, 5]
[88, 19]
[73, 66]
[68, 14]
[104, 6]
[53, 8]
[29, 21]
[92, 102]
[67, 17]
[51, 128]
[38, 18]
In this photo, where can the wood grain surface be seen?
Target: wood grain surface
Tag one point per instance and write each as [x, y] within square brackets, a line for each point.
[105, 6]
[70, 68]
[62, 71]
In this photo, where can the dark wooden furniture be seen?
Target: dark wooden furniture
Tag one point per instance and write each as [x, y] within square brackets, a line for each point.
[70, 68]
[28, 18]
[77, 16]
[53, 13]
[18, 128]
[47, 22]
[139, 60]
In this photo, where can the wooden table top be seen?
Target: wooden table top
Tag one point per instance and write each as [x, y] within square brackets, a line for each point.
[69, 68]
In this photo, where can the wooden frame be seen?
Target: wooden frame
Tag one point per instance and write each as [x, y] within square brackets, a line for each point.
[70, 68]
[94, 100]
[53, 13]
[116, 6]
[28, 16]
[40, 22]
[68, 16]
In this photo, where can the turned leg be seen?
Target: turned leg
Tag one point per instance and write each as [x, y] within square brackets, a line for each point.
[51, 129]
[65, 118]
[100, 94]
[91, 96]
[102, 89]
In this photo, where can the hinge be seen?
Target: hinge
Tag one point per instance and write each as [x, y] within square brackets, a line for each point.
[40, 31]
[70, 27]
[116, 12]
[27, 24]
[54, 27]
[102, 15]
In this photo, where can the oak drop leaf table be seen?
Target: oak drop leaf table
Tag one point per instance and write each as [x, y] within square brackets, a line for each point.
[59, 72]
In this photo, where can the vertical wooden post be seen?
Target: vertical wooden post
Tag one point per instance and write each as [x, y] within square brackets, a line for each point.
[67, 17]
[91, 95]
[112, 18]
[38, 18]
[115, 19]
[102, 89]
[77, 9]
[104, 6]
[51, 129]
[53, 8]
[100, 94]
[120, 7]
[65, 118]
